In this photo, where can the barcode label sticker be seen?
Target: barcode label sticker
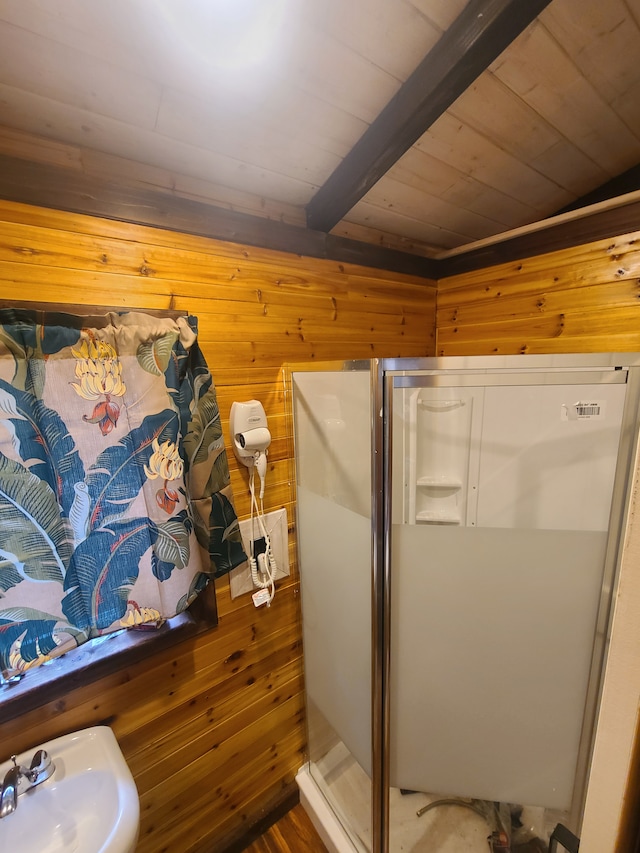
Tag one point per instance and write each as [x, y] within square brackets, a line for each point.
[588, 410]
[583, 410]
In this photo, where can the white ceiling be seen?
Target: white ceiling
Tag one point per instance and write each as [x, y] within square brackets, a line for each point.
[252, 104]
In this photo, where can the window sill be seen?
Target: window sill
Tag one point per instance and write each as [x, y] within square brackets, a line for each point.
[105, 656]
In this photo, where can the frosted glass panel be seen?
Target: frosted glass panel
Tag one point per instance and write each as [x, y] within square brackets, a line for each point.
[492, 632]
[332, 415]
[332, 420]
[501, 502]
[336, 611]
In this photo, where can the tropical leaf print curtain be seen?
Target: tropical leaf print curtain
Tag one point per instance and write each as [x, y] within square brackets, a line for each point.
[115, 504]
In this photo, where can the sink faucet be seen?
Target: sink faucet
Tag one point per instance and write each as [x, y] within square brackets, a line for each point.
[19, 779]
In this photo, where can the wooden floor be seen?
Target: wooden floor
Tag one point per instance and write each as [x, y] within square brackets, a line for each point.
[293, 833]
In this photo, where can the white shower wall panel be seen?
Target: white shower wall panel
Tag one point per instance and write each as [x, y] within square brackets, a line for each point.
[541, 464]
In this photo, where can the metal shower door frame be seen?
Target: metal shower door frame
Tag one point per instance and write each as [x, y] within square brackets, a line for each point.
[386, 374]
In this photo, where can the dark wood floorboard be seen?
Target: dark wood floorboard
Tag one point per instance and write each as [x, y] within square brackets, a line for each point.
[293, 833]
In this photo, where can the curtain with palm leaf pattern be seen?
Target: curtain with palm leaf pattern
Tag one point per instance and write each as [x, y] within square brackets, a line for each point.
[115, 503]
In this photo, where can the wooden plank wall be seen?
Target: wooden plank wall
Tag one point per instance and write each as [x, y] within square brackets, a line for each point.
[213, 728]
[583, 299]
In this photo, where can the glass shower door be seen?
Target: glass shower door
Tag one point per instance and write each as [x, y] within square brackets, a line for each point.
[501, 496]
[332, 423]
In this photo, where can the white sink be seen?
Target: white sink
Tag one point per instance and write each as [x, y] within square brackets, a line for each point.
[89, 805]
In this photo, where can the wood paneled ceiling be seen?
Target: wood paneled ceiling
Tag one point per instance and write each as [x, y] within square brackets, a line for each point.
[421, 125]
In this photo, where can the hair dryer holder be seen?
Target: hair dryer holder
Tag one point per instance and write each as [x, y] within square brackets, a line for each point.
[249, 433]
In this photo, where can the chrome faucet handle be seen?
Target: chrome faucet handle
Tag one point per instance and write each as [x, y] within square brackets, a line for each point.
[22, 771]
[41, 767]
[19, 779]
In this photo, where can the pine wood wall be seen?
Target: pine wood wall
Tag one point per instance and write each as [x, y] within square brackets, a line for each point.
[213, 728]
[584, 299]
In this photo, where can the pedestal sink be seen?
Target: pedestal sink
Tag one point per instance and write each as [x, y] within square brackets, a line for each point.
[89, 805]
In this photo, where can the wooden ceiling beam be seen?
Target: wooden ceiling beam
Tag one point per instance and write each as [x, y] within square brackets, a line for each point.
[475, 39]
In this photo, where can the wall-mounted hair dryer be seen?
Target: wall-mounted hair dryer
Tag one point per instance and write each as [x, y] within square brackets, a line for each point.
[250, 436]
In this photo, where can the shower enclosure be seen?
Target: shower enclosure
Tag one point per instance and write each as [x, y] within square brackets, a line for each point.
[459, 522]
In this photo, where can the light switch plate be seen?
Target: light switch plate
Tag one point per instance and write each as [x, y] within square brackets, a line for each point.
[276, 524]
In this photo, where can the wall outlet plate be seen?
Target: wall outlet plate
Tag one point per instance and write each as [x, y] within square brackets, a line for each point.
[276, 524]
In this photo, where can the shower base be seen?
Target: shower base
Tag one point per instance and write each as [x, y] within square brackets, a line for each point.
[335, 793]
[329, 828]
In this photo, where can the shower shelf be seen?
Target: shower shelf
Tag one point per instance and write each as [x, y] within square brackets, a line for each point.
[437, 518]
[438, 483]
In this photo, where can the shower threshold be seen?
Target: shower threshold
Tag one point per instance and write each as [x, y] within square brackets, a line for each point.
[335, 793]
